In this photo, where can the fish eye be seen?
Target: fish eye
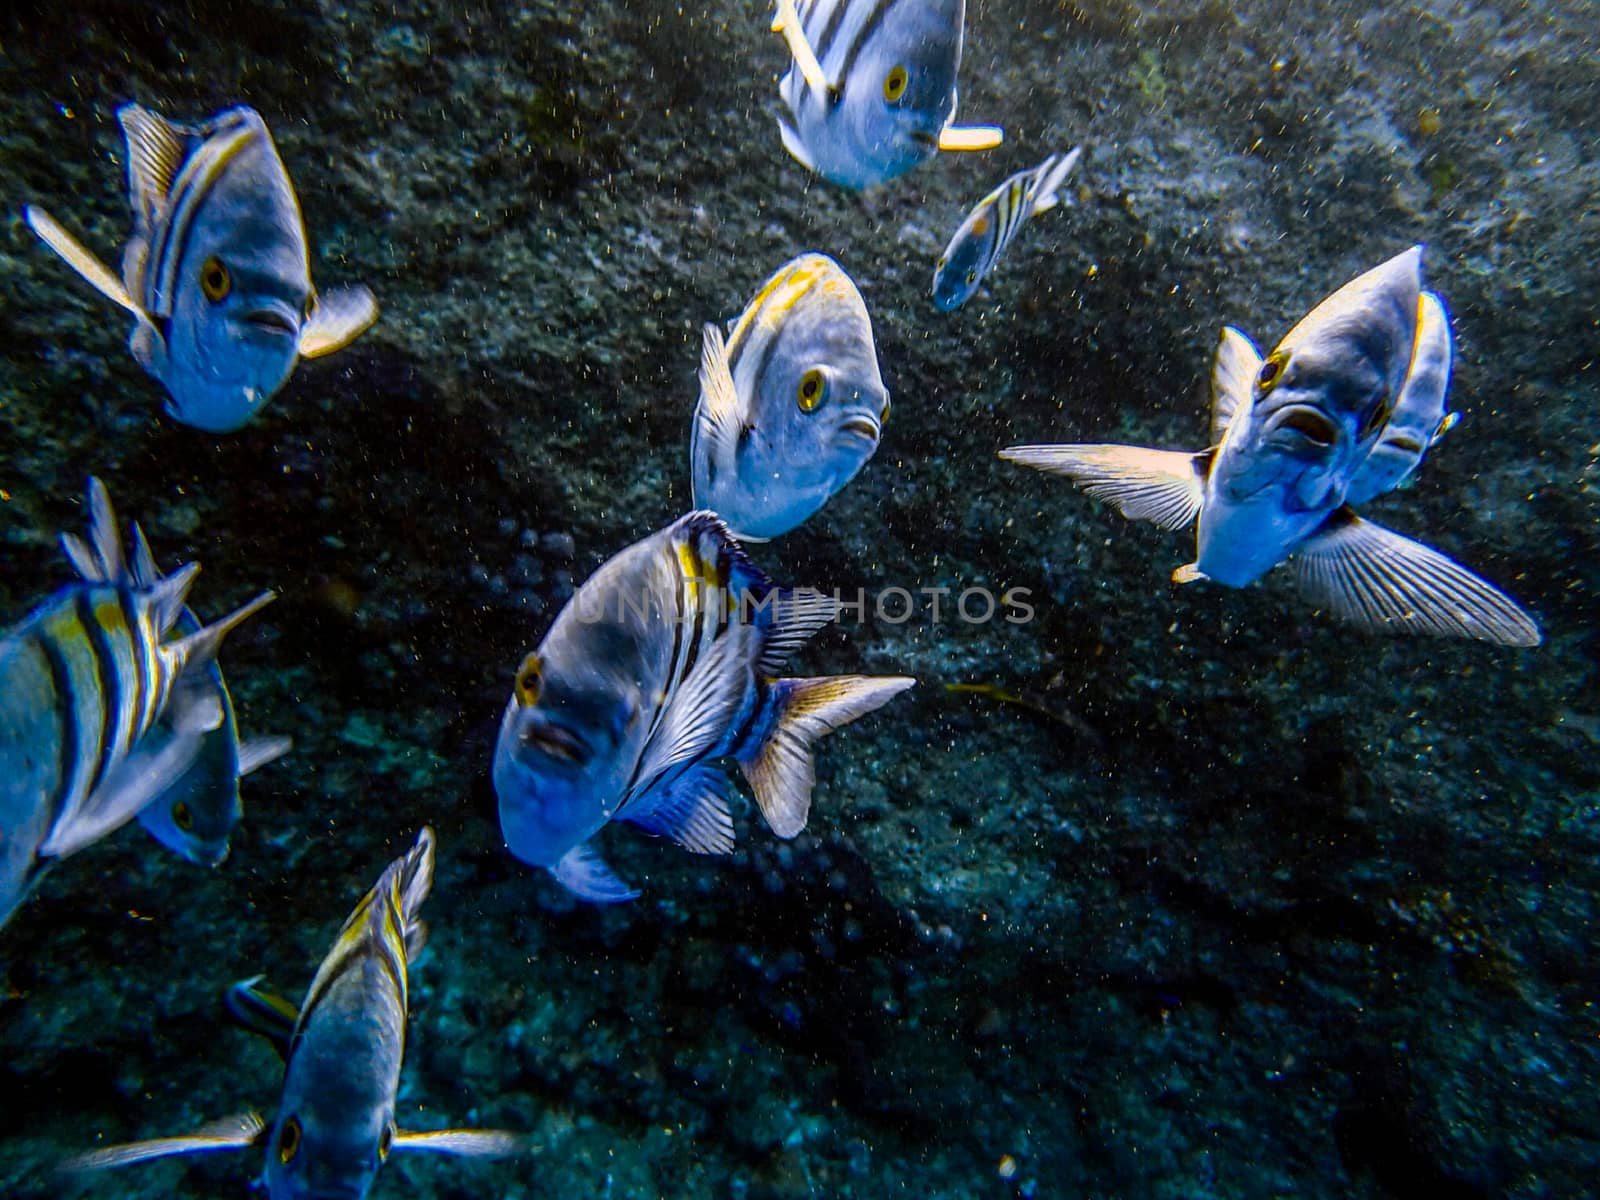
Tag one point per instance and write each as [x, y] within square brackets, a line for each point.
[813, 387]
[894, 84]
[385, 1141]
[1271, 370]
[182, 817]
[215, 281]
[529, 682]
[289, 1141]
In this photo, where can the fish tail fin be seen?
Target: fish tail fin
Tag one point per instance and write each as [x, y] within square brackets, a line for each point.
[779, 766]
[200, 648]
[1043, 192]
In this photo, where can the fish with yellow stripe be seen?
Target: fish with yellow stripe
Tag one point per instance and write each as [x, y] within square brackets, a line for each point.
[660, 666]
[993, 224]
[342, 1047]
[792, 404]
[196, 813]
[216, 275]
[83, 680]
[872, 90]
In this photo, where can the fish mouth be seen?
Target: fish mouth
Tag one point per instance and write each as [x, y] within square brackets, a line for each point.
[862, 427]
[555, 742]
[272, 321]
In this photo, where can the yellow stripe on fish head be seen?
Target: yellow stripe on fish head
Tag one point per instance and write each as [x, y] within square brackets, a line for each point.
[780, 294]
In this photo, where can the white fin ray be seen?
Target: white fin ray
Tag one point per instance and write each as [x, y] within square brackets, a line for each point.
[692, 811]
[787, 22]
[199, 649]
[801, 613]
[717, 416]
[340, 317]
[82, 260]
[467, 1143]
[258, 752]
[157, 150]
[1233, 375]
[230, 1133]
[1382, 581]
[1163, 486]
[100, 559]
[699, 712]
[128, 787]
[585, 874]
[1052, 173]
[792, 142]
[780, 769]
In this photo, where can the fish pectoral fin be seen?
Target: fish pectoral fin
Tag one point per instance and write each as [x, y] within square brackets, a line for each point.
[692, 811]
[260, 1011]
[702, 707]
[133, 783]
[82, 260]
[792, 142]
[1379, 580]
[258, 752]
[787, 22]
[799, 614]
[471, 1143]
[585, 874]
[718, 420]
[1233, 375]
[230, 1133]
[157, 150]
[1189, 573]
[971, 137]
[1163, 486]
[340, 317]
[779, 769]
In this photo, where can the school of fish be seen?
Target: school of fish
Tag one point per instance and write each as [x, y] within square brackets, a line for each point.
[663, 667]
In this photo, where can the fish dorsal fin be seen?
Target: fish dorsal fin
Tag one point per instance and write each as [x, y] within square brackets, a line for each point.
[230, 1133]
[145, 572]
[261, 1011]
[801, 612]
[415, 877]
[1379, 580]
[471, 1143]
[200, 648]
[1233, 374]
[340, 317]
[1163, 486]
[787, 22]
[779, 767]
[84, 262]
[717, 417]
[585, 874]
[692, 810]
[100, 559]
[258, 752]
[157, 150]
[1044, 190]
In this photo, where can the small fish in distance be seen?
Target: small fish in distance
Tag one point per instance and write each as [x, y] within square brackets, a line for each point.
[216, 274]
[1343, 409]
[791, 405]
[342, 1049]
[660, 666]
[993, 224]
[872, 89]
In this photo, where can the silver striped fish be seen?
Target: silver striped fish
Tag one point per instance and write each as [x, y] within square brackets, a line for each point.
[872, 91]
[83, 679]
[792, 404]
[993, 224]
[216, 275]
[195, 815]
[343, 1048]
[659, 667]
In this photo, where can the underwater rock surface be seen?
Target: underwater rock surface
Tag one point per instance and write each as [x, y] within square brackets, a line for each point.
[1240, 902]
